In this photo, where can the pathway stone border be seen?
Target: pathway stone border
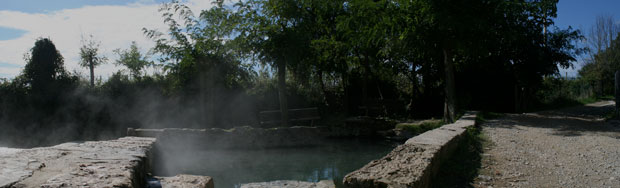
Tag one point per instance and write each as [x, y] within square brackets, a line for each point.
[414, 163]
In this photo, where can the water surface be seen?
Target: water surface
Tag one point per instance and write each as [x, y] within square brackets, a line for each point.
[231, 168]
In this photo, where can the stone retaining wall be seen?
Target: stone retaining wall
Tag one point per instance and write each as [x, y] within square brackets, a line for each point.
[414, 163]
[182, 181]
[240, 137]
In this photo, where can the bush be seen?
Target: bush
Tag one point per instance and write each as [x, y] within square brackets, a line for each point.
[420, 127]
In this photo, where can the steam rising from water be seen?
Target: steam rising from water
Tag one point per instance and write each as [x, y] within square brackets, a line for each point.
[93, 115]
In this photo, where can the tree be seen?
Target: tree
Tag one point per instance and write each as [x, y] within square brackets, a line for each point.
[90, 57]
[456, 30]
[600, 37]
[133, 60]
[198, 57]
[44, 66]
[602, 33]
[512, 35]
[601, 69]
[275, 31]
[45, 76]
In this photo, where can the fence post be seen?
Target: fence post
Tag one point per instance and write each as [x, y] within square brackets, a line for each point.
[617, 91]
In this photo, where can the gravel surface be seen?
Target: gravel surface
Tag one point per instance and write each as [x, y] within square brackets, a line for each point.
[571, 147]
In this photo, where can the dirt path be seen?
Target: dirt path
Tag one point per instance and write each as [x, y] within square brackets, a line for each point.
[572, 147]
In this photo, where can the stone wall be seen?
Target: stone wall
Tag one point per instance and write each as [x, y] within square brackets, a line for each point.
[183, 180]
[256, 138]
[240, 137]
[414, 163]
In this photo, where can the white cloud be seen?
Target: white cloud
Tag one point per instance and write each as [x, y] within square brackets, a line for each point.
[114, 26]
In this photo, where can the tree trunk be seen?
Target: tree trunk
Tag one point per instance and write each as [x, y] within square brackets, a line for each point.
[414, 91]
[617, 92]
[449, 114]
[345, 88]
[92, 74]
[517, 99]
[203, 93]
[213, 88]
[365, 86]
[321, 81]
[282, 92]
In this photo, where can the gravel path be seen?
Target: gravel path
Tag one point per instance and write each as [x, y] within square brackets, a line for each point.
[571, 147]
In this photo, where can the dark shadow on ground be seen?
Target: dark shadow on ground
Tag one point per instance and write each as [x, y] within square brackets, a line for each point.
[461, 168]
[574, 121]
[585, 111]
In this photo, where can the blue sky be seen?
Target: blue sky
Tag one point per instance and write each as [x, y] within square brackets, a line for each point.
[18, 29]
[580, 14]
[7, 33]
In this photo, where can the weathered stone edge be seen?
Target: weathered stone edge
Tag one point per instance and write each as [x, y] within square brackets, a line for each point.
[440, 143]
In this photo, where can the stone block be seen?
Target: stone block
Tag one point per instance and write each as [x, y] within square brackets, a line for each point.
[414, 163]
[115, 163]
[184, 180]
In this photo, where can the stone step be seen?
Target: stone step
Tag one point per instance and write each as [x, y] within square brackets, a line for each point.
[123, 162]
[181, 181]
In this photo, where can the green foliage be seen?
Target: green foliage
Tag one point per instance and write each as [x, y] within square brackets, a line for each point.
[561, 92]
[89, 53]
[133, 60]
[420, 127]
[44, 68]
[32, 101]
[196, 46]
[599, 72]
[90, 57]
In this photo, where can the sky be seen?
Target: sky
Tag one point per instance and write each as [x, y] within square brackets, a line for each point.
[581, 14]
[118, 22]
[115, 23]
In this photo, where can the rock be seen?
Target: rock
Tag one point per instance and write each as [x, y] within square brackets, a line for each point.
[413, 163]
[291, 184]
[122, 163]
[485, 178]
[404, 166]
[184, 180]
[12, 169]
